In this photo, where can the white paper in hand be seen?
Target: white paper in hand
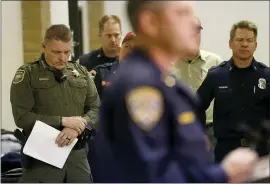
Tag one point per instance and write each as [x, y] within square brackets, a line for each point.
[41, 145]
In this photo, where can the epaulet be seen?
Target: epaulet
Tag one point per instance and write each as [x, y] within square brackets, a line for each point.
[220, 65]
[33, 62]
[26, 66]
[75, 62]
[93, 53]
[79, 66]
[72, 61]
[29, 64]
[262, 65]
[104, 65]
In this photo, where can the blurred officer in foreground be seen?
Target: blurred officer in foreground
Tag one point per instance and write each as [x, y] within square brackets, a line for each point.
[241, 88]
[149, 130]
[61, 94]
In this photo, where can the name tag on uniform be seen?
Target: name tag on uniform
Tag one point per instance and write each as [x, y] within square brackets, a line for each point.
[43, 79]
[223, 87]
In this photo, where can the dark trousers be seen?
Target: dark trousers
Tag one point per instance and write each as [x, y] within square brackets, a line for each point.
[224, 146]
[90, 157]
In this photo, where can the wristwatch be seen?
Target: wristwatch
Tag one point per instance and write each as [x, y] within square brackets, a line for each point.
[84, 121]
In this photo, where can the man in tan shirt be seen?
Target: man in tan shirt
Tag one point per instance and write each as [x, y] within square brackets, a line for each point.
[193, 72]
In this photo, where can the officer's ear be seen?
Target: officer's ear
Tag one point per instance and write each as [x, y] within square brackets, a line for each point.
[255, 47]
[43, 45]
[230, 44]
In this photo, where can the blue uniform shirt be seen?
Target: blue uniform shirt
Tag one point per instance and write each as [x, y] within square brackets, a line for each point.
[149, 131]
[104, 71]
[241, 96]
[95, 58]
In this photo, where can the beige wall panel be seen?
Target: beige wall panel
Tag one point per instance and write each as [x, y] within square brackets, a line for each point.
[95, 12]
[35, 20]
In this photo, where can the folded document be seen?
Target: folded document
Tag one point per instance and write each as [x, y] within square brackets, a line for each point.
[41, 145]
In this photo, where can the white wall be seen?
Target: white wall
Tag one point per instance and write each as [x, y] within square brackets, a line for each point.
[59, 12]
[12, 55]
[118, 8]
[59, 15]
[218, 17]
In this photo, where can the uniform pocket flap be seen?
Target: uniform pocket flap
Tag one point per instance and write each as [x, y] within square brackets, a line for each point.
[44, 84]
[79, 83]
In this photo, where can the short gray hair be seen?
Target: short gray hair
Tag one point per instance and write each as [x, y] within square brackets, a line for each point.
[58, 32]
[244, 24]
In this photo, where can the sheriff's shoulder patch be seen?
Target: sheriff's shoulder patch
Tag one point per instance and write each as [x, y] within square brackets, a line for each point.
[186, 118]
[145, 105]
[19, 76]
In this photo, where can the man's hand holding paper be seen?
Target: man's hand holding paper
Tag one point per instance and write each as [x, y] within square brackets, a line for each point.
[66, 137]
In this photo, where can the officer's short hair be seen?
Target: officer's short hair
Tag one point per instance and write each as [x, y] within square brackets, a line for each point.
[244, 24]
[58, 32]
[135, 7]
[105, 19]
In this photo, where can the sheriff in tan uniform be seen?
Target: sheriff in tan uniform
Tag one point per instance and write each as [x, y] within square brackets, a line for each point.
[62, 95]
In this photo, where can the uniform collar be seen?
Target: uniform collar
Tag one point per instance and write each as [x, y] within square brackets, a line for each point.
[102, 54]
[43, 64]
[202, 55]
[254, 65]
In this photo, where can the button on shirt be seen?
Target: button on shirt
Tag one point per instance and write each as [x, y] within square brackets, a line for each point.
[241, 96]
[246, 78]
[194, 72]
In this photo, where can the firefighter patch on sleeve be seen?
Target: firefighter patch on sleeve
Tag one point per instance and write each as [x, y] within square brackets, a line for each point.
[145, 106]
[186, 118]
[19, 76]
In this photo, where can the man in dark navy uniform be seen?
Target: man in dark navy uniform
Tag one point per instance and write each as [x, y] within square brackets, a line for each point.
[108, 69]
[110, 36]
[241, 88]
[149, 131]
[102, 80]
